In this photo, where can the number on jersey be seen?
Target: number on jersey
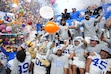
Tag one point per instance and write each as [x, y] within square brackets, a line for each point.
[99, 63]
[67, 51]
[23, 68]
[38, 63]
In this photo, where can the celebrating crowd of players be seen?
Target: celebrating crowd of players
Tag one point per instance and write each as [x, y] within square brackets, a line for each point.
[68, 51]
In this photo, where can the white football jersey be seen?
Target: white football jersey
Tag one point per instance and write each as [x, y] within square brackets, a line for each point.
[39, 68]
[23, 67]
[98, 65]
[67, 51]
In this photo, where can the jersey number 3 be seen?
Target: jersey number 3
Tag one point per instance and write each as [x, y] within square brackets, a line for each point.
[23, 68]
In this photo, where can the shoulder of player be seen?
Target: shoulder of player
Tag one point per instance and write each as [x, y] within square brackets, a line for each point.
[94, 56]
[11, 61]
[53, 54]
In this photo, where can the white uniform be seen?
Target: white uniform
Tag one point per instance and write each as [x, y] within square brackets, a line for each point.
[79, 59]
[98, 65]
[67, 51]
[23, 67]
[3, 58]
[63, 33]
[39, 68]
[58, 63]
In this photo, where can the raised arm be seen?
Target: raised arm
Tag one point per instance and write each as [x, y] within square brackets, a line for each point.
[75, 25]
[105, 39]
[67, 43]
[99, 18]
[108, 24]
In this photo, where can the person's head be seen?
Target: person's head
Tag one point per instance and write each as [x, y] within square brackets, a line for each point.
[76, 42]
[95, 6]
[15, 48]
[42, 28]
[42, 50]
[73, 9]
[105, 53]
[94, 41]
[87, 17]
[9, 49]
[65, 10]
[58, 50]
[89, 8]
[21, 55]
[63, 22]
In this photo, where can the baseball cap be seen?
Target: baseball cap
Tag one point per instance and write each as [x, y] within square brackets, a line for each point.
[94, 38]
[78, 38]
[58, 48]
[108, 50]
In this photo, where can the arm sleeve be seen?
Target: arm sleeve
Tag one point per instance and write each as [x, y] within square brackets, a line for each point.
[91, 57]
[108, 41]
[48, 53]
[99, 18]
[50, 58]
